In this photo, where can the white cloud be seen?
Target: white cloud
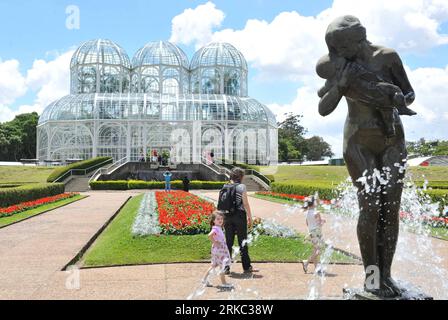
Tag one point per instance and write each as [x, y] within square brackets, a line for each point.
[51, 80]
[196, 25]
[431, 105]
[12, 82]
[12, 86]
[289, 45]
[305, 103]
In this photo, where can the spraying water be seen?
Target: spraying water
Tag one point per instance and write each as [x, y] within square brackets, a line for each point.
[419, 261]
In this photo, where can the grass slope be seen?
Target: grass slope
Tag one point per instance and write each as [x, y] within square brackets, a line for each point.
[336, 174]
[24, 174]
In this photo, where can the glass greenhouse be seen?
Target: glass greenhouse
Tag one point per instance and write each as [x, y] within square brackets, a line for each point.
[159, 102]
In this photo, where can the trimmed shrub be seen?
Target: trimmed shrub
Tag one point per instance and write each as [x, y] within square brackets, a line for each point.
[304, 188]
[434, 184]
[30, 192]
[271, 177]
[139, 184]
[109, 185]
[438, 195]
[60, 171]
[212, 185]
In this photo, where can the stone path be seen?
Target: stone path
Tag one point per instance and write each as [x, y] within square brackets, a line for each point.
[33, 252]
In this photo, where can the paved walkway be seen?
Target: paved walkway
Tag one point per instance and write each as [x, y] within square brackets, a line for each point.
[33, 252]
[420, 260]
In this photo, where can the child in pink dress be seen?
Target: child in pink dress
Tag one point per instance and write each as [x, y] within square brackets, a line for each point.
[220, 252]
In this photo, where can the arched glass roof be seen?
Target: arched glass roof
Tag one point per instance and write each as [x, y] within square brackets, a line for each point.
[218, 54]
[160, 53]
[141, 106]
[100, 51]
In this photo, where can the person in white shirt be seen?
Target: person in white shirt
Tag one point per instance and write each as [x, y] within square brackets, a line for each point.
[314, 222]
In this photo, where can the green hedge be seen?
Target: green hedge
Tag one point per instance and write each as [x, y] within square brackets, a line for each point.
[12, 196]
[58, 172]
[327, 191]
[139, 184]
[434, 184]
[109, 185]
[304, 188]
[438, 195]
[197, 184]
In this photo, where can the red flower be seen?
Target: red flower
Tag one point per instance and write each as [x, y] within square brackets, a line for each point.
[17, 208]
[180, 209]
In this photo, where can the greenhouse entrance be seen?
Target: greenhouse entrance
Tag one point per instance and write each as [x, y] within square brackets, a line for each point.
[152, 152]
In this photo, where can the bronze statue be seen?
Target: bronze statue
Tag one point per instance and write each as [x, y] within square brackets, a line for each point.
[377, 90]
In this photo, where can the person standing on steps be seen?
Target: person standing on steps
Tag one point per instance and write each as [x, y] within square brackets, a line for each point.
[233, 201]
[186, 183]
[167, 174]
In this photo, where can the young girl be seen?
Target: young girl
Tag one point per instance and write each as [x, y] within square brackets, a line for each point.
[314, 223]
[220, 252]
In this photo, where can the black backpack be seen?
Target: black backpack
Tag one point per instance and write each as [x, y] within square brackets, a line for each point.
[227, 198]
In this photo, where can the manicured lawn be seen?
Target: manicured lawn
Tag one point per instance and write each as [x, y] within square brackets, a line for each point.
[32, 212]
[116, 245]
[338, 174]
[283, 173]
[24, 174]
[273, 199]
[440, 232]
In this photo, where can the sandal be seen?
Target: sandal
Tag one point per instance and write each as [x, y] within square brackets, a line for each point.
[305, 266]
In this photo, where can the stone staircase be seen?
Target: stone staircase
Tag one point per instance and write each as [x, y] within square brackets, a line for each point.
[78, 184]
[251, 184]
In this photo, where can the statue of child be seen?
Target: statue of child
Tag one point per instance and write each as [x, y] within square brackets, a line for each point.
[369, 87]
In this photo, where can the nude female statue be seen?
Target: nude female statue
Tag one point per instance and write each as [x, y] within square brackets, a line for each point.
[375, 160]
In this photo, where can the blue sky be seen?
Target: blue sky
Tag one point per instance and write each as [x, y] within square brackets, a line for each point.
[285, 81]
[36, 29]
[33, 29]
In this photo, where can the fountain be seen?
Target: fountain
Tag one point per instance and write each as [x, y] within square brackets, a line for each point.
[374, 82]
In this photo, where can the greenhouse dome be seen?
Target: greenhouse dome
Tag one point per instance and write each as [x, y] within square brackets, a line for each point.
[219, 68]
[105, 116]
[160, 67]
[100, 66]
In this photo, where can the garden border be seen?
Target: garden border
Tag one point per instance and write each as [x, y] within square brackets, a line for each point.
[48, 210]
[201, 262]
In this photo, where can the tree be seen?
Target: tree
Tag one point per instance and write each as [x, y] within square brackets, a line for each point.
[18, 137]
[427, 148]
[291, 142]
[317, 149]
[293, 146]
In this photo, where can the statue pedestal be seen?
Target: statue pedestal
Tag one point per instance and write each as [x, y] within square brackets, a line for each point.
[409, 293]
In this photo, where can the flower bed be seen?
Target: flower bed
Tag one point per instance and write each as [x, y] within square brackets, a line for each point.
[183, 213]
[433, 221]
[147, 219]
[437, 222]
[11, 210]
